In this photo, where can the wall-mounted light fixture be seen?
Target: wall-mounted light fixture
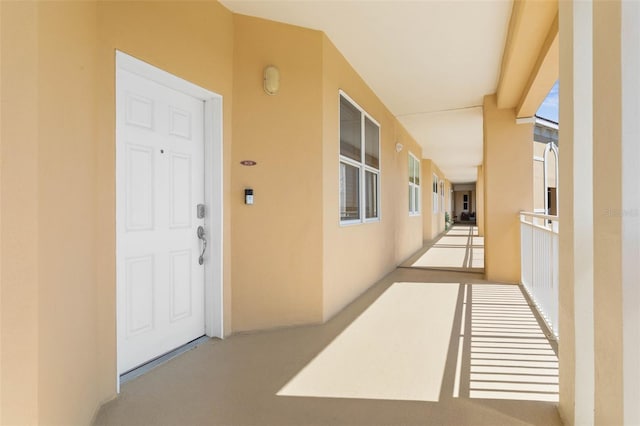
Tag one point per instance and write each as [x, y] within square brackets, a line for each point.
[399, 147]
[271, 80]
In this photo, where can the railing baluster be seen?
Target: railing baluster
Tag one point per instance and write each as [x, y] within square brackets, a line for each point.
[539, 263]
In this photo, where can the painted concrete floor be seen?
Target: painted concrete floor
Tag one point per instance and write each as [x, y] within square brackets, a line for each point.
[459, 249]
[458, 351]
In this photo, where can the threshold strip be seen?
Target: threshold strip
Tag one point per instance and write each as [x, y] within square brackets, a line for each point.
[148, 366]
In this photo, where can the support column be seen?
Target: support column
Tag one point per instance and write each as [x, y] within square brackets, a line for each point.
[480, 201]
[576, 207]
[600, 212]
[508, 179]
[607, 208]
[630, 58]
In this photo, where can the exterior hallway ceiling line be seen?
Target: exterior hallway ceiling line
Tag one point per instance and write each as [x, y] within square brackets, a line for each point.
[439, 57]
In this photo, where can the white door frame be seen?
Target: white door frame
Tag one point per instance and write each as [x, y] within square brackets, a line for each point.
[213, 188]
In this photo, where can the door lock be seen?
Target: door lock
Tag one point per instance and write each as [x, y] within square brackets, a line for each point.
[200, 211]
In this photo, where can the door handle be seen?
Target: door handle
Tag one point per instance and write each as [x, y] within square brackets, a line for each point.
[202, 237]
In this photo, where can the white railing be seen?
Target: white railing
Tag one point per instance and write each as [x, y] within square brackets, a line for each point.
[539, 262]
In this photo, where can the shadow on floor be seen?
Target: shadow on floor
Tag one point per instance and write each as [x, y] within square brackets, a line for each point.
[238, 381]
[458, 249]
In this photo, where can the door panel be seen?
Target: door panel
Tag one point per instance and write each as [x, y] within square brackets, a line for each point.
[159, 182]
[139, 187]
[180, 191]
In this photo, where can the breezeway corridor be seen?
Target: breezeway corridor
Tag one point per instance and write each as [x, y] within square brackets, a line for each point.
[422, 346]
[461, 248]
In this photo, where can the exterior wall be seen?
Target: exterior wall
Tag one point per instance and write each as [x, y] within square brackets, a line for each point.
[448, 191]
[459, 200]
[61, 67]
[58, 194]
[575, 302]
[539, 190]
[630, 233]
[459, 191]
[480, 201]
[607, 226]
[600, 201]
[552, 181]
[277, 242]
[507, 182]
[355, 256]
[66, 183]
[19, 212]
[433, 223]
[193, 41]
[408, 229]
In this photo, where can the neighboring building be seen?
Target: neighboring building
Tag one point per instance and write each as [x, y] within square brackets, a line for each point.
[545, 167]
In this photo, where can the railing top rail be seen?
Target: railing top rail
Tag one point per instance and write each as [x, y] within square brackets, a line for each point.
[541, 216]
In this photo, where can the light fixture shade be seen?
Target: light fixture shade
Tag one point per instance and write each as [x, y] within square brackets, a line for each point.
[399, 147]
[271, 80]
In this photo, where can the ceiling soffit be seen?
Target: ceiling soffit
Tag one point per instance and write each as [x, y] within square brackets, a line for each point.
[530, 60]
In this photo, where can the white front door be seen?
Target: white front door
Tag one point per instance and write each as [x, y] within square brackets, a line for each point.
[159, 183]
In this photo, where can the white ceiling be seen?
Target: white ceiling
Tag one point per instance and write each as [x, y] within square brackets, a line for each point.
[424, 59]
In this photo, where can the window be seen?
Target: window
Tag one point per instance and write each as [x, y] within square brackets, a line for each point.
[359, 164]
[414, 185]
[442, 196]
[465, 202]
[435, 193]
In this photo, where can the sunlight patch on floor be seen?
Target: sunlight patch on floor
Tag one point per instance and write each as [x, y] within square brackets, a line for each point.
[437, 257]
[395, 350]
[511, 357]
[459, 248]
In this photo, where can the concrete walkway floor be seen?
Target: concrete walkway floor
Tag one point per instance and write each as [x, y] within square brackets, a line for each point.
[421, 347]
[459, 249]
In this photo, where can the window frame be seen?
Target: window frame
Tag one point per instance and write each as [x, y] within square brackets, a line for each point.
[434, 195]
[442, 196]
[362, 167]
[415, 204]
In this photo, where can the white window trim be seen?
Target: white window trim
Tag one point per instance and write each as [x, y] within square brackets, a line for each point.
[362, 166]
[418, 201]
[434, 194]
[442, 185]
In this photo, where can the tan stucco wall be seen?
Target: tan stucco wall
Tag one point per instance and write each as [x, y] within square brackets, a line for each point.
[355, 256]
[286, 260]
[58, 233]
[480, 201]
[508, 179]
[459, 201]
[539, 190]
[193, 41]
[575, 242]
[607, 227]
[19, 213]
[448, 196]
[66, 211]
[566, 238]
[408, 229]
[277, 243]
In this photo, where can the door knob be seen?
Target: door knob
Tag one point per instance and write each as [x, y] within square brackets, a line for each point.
[203, 238]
